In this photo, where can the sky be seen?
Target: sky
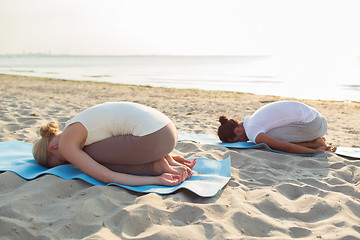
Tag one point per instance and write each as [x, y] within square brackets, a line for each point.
[181, 27]
[311, 42]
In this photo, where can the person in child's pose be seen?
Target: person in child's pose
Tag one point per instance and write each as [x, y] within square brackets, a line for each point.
[287, 126]
[116, 142]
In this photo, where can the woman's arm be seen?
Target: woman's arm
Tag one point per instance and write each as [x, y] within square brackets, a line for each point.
[285, 146]
[70, 146]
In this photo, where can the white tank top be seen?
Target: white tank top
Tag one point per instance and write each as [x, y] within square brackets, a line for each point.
[119, 118]
[277, 114]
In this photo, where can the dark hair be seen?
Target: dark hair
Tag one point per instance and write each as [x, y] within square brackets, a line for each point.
[226, 129]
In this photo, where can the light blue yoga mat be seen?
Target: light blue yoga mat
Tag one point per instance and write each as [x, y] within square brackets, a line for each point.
[212, 139]
[211, 177]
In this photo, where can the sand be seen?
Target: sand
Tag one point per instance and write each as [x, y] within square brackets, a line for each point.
[269, 196]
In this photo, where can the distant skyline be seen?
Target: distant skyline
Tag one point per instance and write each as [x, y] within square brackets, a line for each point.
[165, 27]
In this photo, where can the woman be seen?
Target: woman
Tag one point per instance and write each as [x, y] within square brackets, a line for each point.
[116, 142]
[287, 126]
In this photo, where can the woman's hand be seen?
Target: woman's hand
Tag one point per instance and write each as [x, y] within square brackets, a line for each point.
[169, 179]
[331, 148]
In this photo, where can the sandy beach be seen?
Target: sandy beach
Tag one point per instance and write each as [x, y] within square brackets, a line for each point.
[269, 196]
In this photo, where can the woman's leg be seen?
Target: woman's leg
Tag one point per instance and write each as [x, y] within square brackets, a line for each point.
[137, 155]
[152, 168]
[313, 144]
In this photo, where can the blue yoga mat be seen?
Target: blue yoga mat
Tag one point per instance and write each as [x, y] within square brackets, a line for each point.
[213, 140]
[211, 177]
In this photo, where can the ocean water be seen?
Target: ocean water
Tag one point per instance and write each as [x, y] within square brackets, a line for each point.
[303, 78]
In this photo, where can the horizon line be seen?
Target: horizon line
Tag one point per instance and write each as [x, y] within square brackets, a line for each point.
[131, 55]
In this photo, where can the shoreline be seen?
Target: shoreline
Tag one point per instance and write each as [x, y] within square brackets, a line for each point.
[260, 75]
[168, 88]
[22, 74]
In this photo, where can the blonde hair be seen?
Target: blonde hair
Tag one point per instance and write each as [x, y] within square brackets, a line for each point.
[40, 148]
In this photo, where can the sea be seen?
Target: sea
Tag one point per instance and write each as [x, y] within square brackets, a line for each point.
[303, 77]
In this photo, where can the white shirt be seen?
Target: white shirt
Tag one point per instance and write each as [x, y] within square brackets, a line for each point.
[119, 118]
[277, 114]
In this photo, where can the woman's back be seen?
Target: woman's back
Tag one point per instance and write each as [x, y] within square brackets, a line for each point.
[119, 118]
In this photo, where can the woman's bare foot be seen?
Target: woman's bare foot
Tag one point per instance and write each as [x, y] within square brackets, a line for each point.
[329, 148]
[180, 160]
[181, 163]
[162, 166]
[320, 141]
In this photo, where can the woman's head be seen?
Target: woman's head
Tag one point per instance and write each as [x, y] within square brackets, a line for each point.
[41, 151]
[226, 129]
